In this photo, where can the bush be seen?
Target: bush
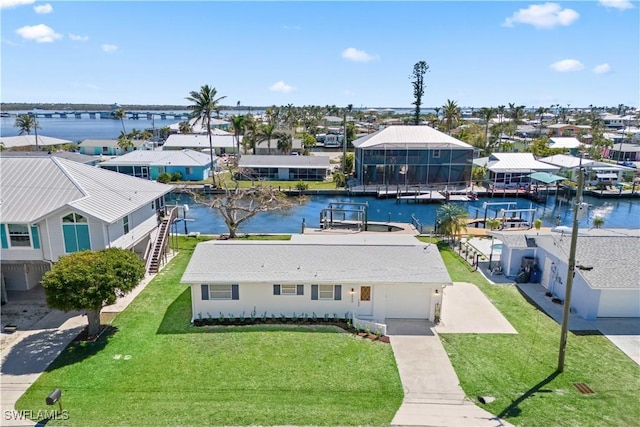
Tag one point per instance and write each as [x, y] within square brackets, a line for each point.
[164, 178]
[176, 176]
[302, 185]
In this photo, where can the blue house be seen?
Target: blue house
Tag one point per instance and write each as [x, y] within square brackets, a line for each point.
[191, 165]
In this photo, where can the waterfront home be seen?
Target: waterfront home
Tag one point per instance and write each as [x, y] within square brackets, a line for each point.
[31, 142]
[512, 170]
[623, 152]
[217, 126]
[375, 277]
[605, 283]
[284, 168]
[53, 206]
[69, 155]
[412, 155]
[191, 165]
[221, 143]
[568, 164]
[110, 147]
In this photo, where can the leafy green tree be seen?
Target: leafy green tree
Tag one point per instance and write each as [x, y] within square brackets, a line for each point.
[204, 103]
[478, 173]
[598, 221]
[492, 223]
[417, 76]
[452, 220]
[26, 123]
[91, 280]
[339, 179]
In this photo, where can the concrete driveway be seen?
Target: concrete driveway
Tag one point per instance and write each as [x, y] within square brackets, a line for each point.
[624, 333]
[432, 394]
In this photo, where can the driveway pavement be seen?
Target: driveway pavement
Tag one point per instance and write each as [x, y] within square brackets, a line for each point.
[432, 394]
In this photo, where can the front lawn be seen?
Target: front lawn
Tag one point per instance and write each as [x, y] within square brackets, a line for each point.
[519, 370]
[155, 369]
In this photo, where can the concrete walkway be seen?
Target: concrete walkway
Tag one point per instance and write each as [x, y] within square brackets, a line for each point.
[432, 394]
[31, 352]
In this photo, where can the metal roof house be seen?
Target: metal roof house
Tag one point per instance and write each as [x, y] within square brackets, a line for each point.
[511, 170]
[606, 277]
[191, 165]
[52, 206]
[225, 143]
[284, 168]
[31, 141]
[109, 147]
[69, 155]
[412, 155]
[399, 277]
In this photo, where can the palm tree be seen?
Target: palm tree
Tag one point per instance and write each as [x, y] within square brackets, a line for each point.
[452, 219]
[266, 132]
[120, 115]
[540, 113]
[238, 129]
[486, 114]
[185, 127]
[285, 142]
[124, 141]
[26, 123]
[204, 104]
[598, 221]
[451, 113]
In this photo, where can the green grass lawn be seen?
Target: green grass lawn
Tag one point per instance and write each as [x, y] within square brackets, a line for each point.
[155, 369]
[519, 370]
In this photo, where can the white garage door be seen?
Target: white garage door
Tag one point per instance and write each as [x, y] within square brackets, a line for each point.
[408, 302]
[619, 303]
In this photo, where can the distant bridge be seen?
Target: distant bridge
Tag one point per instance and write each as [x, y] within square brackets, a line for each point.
[131, 115]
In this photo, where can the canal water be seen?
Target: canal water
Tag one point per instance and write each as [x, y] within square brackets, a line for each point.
[617, 213]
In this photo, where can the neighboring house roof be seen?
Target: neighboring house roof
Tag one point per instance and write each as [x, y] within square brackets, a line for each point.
[514, 162]
[296, 144]
[200, 141]
[560, 126]
[34, 187]
[201, 127]
[161, 158]
[30, 141]
[267, 161]
[625, 147]
[69, 155]
[566, 161]
[564, 142]
[111, 143]
[394, 137]
[318, 262]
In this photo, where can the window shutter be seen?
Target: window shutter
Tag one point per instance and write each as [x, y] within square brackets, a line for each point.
[35, 236]
[337, 292]
[314, 292]
[205, 292]
[3, 237]
[235, 292]
[276, 289]
[300, 290]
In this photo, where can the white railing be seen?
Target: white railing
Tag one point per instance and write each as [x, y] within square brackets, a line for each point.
[371, 325]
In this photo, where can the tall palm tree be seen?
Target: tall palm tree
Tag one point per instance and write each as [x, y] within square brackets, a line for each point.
[285, 142]
[266, 132]
[185, 127]
[452, 219]
[238, 129]
[120, 115]
[204, 104]
[451, 113]
[486, 114]
[124, 141]
[26, 123]
[540, 113]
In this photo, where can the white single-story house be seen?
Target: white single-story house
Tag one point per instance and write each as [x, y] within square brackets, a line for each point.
[564, 142]
[371, 276]
[52, 207]
[286, 168]
[111, 147]
[24, 141]
[607, 269]
[221, 143]
[191, 165]
[511, 170]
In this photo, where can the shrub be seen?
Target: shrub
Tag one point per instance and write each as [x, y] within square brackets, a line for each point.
[302, 185]
[176, 176]
[164, 178]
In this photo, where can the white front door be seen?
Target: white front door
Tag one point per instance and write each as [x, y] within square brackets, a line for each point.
[546, 274]
[365, 300]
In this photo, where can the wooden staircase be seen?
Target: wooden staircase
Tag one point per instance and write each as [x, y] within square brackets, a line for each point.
[154, 261]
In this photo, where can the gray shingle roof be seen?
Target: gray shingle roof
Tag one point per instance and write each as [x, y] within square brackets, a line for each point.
[249, 161]
[315, 262]
[32, 187]
[409, 136]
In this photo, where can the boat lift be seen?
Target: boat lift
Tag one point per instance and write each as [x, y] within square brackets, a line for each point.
[515, 220]
[345, 215]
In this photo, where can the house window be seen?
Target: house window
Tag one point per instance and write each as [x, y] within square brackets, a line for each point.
[19, 235]
[436, 154]
[76, 233]
[325, 292]
[188, 171]
[220, 292]
[288, 289]
[105, 150]
[125, 222]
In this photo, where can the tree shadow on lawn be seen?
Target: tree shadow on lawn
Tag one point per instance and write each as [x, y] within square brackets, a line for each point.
[513, 409]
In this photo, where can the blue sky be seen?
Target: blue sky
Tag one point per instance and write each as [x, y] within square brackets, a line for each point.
[480, 53]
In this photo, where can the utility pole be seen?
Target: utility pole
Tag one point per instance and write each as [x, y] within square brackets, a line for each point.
[344, 142]
[570, 273]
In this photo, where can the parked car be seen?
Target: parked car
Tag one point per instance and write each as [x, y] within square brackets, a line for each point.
[628, 164]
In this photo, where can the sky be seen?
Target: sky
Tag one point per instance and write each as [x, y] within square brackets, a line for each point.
[480, 53]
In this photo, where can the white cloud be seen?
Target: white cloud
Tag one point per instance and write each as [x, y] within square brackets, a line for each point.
[43, 9]
[40, 33]
[617, 4]
[546, 15]
[602, 69]
[8, 4]
[77, 38]
[281, 87]
[353, 54]
[109, 48]
[567, 65]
